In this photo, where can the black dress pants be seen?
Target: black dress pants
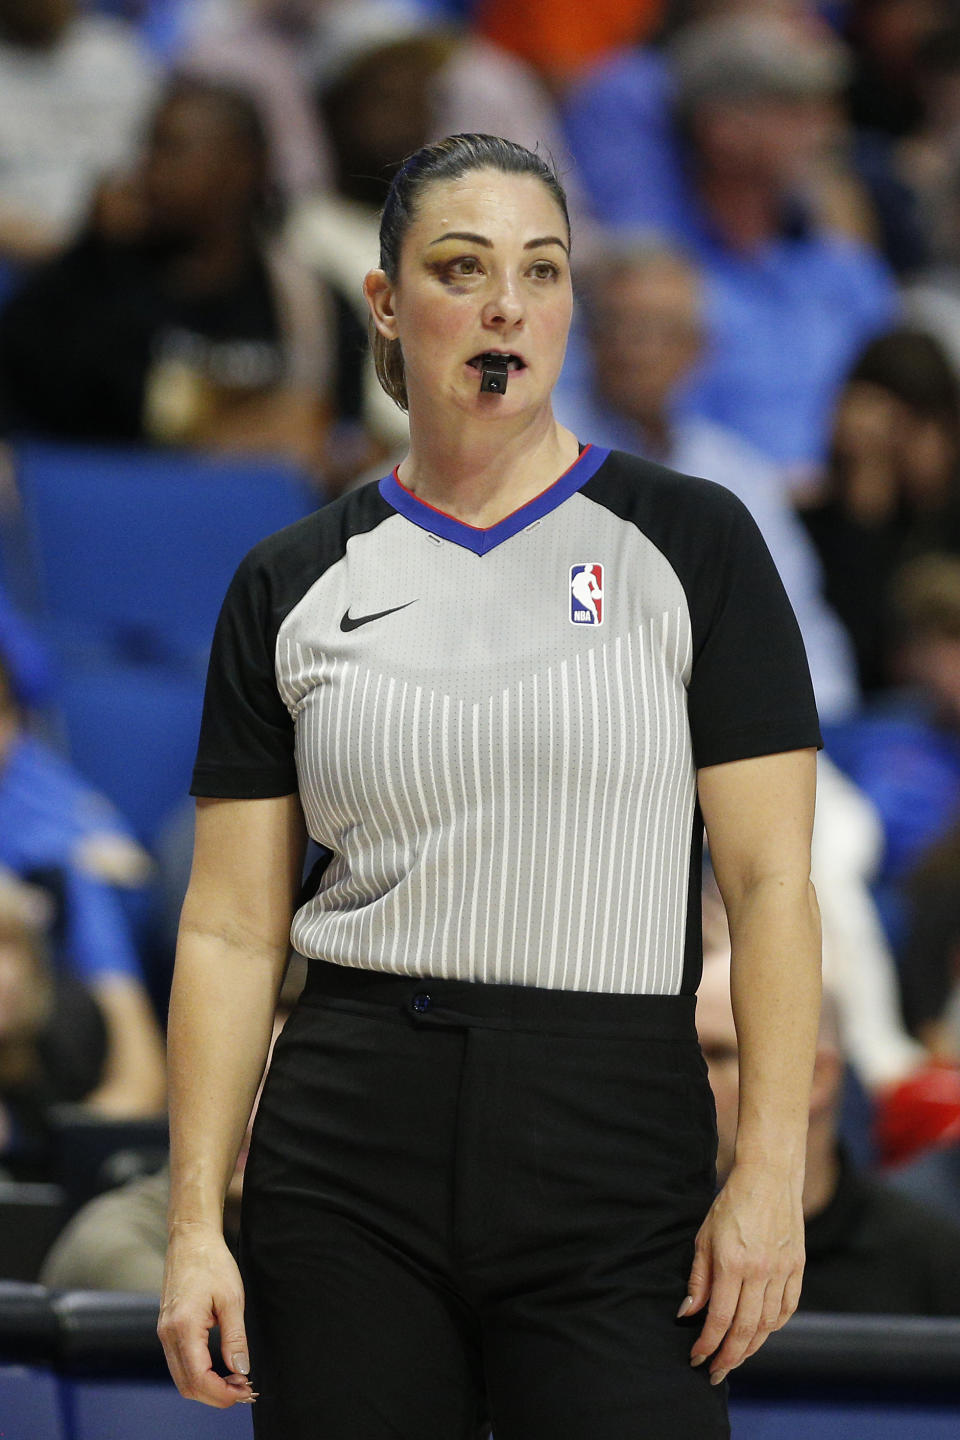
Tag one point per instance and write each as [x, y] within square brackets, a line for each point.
[475, 1205]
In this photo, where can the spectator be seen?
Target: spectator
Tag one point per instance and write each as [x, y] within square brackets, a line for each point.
[74, 89]
[374, 99]
[176, 319]
[888, 38]
[386, 84]
[562, 37]
[261, 49]
[930, 163]
[118, 1241]
[930, 973]
[892, 485]
[735, 130]
[56, 832]
[52, 1044]
[906, 755]
[858, 963]
[29, 662]
[869, 1249]
[933, 1178]
[908, 163]
[645, 325]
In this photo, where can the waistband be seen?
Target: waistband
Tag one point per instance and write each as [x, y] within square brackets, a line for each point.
[426, 1000]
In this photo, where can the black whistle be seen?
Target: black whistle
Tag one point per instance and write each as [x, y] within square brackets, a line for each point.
[493, 375]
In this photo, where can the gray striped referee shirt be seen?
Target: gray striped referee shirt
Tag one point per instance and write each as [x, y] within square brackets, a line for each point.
[495, 733]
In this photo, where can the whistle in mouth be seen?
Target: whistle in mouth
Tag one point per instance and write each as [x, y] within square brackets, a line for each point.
[493, 374]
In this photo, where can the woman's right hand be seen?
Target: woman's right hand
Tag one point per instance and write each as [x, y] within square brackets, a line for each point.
[202, 1288]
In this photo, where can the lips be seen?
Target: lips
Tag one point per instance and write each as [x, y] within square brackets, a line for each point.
[513, 361]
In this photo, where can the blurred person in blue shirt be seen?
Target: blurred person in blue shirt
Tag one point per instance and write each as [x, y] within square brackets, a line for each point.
[52, 1034]
[59, 833]
[716, 145]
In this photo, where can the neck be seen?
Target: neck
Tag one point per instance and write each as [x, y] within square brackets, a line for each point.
[478, 472]
[745, 211]
[822, 1174]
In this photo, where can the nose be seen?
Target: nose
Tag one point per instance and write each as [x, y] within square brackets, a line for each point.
[504, 308]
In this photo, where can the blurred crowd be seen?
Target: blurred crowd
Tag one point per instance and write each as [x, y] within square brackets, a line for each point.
[766, 206]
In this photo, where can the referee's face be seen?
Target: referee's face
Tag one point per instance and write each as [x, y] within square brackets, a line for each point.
[485, 267]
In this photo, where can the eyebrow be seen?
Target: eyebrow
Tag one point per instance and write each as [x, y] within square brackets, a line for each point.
[488, 244]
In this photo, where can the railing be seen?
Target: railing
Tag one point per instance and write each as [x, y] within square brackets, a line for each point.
[73, 1364]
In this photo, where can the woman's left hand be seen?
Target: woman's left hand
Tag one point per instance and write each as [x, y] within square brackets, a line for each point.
[748, 1265]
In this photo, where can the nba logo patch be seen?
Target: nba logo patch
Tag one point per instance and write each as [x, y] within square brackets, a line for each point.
[586, 594]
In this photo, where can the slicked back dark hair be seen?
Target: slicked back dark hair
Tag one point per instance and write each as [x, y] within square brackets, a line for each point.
[447, 159]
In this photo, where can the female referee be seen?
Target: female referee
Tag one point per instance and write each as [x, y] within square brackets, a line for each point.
[481, 1186]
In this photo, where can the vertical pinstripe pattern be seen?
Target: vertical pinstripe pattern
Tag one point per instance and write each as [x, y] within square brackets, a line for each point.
[540, 837]
[508, 796]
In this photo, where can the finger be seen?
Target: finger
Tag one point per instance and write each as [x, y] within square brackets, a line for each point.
[791, 1297]
[188, 1356]
[233, 1339]
[724, 1298]
[742, 1330]
[212, 1389]
[769, 1319]
[698, 1286]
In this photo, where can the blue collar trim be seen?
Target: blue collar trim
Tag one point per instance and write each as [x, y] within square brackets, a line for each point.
[480, 541]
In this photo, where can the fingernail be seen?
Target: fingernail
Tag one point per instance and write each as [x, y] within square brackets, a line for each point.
[685, 1306]
[718, 1377]
[241, 1363]
[697, 1360]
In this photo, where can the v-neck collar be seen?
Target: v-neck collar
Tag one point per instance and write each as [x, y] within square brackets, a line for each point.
[473, 537]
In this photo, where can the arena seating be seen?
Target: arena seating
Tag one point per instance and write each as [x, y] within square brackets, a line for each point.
[31, 1217]
[132, 550]
[94, 1152]
[78, 1365]
[131, 730]
[122, 558]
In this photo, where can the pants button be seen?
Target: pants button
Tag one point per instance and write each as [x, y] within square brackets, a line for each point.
[420, 1003]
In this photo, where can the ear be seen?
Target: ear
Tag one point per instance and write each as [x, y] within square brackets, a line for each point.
[378, 292]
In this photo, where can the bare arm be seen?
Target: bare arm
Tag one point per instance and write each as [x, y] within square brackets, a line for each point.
[750, 1250]
[231, 955]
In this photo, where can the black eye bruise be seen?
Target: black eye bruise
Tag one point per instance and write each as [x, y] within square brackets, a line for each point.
[445, 268]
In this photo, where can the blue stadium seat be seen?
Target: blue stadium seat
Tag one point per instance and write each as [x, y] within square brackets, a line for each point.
[115, 1376]
[31, 1393]
[30, 1404]
[842, 1417]
[102, 1409]
[133, 550]
[131, 730]
[31, 1218]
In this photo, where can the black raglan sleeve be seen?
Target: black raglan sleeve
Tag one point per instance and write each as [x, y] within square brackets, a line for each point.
[750, 691]
[246, 748]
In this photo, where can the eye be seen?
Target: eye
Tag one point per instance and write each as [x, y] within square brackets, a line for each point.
[544, 270]
[466, 265]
